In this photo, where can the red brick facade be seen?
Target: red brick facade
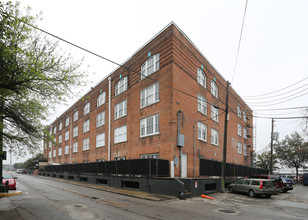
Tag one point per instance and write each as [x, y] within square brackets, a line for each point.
[179, 61]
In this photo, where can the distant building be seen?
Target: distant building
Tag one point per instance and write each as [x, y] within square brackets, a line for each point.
[134, 112]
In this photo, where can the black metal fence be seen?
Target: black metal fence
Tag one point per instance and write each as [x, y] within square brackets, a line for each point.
[213, 168]
[144, 167]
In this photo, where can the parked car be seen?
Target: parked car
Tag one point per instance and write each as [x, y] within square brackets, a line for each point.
[254, 187]
[21, 171]
[278, 181]
[9, 177]
[287, 183]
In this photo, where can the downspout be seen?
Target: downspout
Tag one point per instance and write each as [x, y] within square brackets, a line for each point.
[109, 120]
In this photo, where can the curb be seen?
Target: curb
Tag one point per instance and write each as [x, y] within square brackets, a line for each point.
[10, 194]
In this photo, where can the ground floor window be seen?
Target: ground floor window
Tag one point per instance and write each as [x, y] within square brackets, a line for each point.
[149, 156]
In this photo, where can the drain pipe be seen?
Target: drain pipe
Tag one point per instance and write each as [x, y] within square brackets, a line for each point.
[109, 120]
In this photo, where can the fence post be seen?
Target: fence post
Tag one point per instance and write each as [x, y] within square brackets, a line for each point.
[156, 167]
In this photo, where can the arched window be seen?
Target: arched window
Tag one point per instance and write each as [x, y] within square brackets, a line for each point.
[214, 89]
[150, 66]
[201, 78]
[121, 86]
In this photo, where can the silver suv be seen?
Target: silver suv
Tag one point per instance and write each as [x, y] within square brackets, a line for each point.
[254, 187]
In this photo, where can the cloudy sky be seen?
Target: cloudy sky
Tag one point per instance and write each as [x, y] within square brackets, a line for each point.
[272, 57]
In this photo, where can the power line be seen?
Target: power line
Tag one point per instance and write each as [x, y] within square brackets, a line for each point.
[239, 44]
[255, 116]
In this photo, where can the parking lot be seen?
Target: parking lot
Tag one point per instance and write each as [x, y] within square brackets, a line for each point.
[290, 205]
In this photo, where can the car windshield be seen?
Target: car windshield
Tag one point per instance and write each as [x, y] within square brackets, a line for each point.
[268, 184]
[7, 176]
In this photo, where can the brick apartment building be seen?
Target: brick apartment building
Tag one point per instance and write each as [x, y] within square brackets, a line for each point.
[166, 87]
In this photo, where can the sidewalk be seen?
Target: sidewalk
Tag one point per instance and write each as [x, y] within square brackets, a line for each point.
[127, 192]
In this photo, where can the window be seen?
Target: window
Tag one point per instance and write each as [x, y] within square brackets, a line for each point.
[120, 134]
[49, 144]
[214, 137]
[60, 126]
[214, 89]
[75, 131]
[100, 119]
[120, 110]
[75, 116]
[239, 147]
[202, 131]
[86, 108]
[201, 78]
[149, 126]
[150, 66]
[100, 140]
[67, 135]
[121, 86]
[214, 113]
[60, 151]
[49, 154]
[239, 111]
[149, 156]
[54, 130]
[60, 139]
[75, 147]
[245, 150]
[120, 158]
[67, 121]
[202, 104]
[244, 116]
[239, 129]
[54, 153]
[86, 144]
[101, 99]
[149, 95]
[86, 126]
[66, 151]
[245, 133]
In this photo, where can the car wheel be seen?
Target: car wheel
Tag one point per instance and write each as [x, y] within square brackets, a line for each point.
[268, 196]
[252, 193]
[230, 190]
[285, 190]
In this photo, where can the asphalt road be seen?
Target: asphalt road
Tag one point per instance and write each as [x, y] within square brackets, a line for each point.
[47, 198]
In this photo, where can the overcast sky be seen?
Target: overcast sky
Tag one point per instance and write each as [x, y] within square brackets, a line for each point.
[273, 53]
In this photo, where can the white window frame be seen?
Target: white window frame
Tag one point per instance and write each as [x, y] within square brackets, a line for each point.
[244, 116]
[75, 147]
[244, 149]
[60, 126]
[202, 104]
[75, 116]
[86, 126]
[66, 150]
[60, 139]
[239, 129]
[54, 153]
[60, 151]
[101, 99]
[150, 66]
[86, 144]
[67, 136]
[245, 132]
[239, 111]
[121, 86]
[202, 132]
[120, 134]
[120, 110]
[49, 154]
[201, 77]
[239, 147]
[100, 140]
[214, 137]
[147, 128]
[100, 119]
[214, 89]
[75, 131]
[86, 108]
[67, 121]
[214, 113]
[55, 130]
[149, 95]
[149, 156]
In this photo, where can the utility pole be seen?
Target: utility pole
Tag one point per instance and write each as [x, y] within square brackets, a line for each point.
[272, 139]
[224, 157]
